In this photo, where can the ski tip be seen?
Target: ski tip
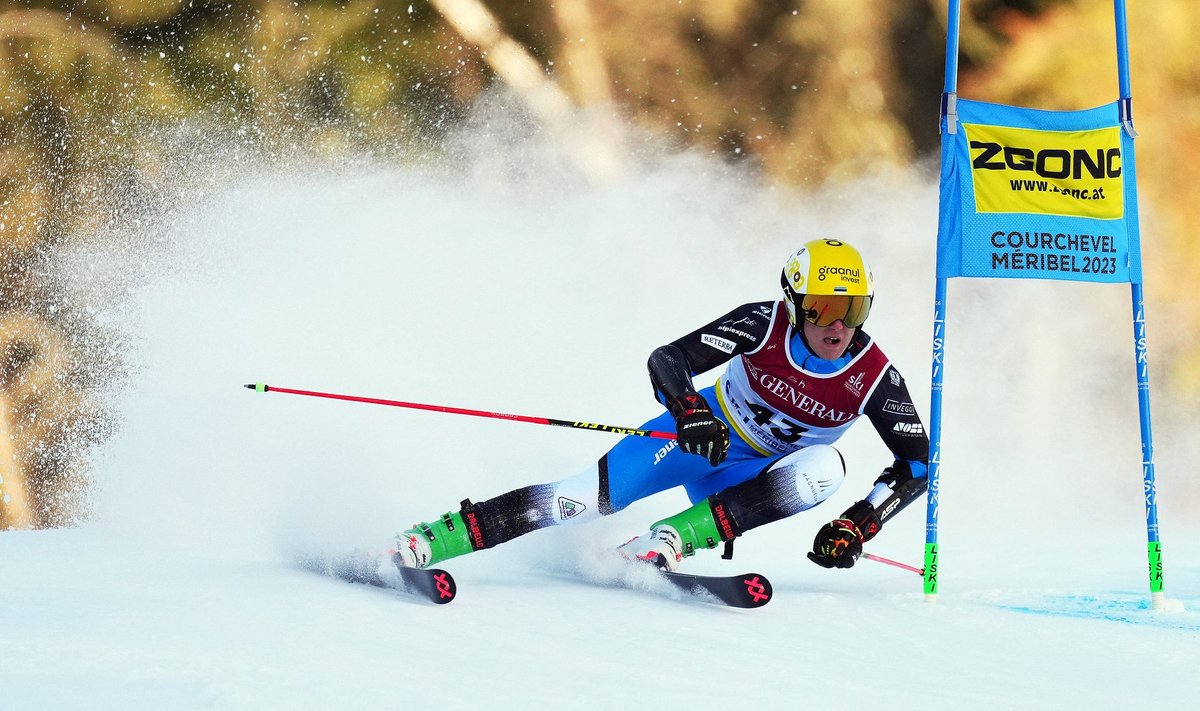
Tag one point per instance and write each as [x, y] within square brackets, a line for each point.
[758, 590]
[444, 587]
[434, 584]
[258, 387]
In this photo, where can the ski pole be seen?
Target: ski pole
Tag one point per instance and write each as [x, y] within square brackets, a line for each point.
[894, 563]
[264, 388]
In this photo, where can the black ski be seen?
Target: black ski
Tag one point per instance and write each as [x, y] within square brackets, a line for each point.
[432, 584]
[747, 590]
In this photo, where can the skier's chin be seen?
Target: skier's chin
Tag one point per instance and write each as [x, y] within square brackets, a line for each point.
[832, 347]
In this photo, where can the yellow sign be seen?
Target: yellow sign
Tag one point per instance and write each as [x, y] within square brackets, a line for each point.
[1069, 173]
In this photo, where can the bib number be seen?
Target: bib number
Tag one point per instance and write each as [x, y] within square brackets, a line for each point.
[780, 427]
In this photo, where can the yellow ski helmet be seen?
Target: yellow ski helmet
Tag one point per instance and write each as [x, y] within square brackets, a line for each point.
[827, 280]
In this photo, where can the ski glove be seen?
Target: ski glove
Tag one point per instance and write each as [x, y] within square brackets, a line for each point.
[837, 545]
[699, 430]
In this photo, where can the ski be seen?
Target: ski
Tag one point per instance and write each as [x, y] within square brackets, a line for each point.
[748, 590]
[432, 584]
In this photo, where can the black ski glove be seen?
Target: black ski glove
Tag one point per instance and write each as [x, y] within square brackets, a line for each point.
[699, 430]
[837, 545]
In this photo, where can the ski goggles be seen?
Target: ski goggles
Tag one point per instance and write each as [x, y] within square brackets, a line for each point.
[823, 310]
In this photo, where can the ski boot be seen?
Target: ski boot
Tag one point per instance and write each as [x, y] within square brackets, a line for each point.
[673, 539]
[427, 544]
[661, 546]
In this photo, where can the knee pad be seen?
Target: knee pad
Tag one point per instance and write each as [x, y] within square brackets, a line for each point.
[791, 484]
[814, 473]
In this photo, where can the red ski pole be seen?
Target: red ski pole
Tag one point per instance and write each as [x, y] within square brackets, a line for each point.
[264, 388]
[893, 563]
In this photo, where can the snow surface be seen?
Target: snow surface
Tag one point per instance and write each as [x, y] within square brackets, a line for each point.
[504, 282]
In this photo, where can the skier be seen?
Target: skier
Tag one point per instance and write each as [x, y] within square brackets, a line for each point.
[800, 372]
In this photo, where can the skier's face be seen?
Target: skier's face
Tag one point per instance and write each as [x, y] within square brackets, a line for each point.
[828, 342]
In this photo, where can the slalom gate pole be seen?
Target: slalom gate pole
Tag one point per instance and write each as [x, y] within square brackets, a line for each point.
[1141, 352]
[264, 388]
[949, 126]
[893, 563]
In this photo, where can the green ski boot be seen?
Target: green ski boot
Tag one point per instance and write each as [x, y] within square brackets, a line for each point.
[673, 539]
[427, 544]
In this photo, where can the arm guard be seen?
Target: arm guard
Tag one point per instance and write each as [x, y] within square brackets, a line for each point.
[670, 374]
[895, 488]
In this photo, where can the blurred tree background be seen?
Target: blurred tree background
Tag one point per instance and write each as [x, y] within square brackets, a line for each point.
[803, 92]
